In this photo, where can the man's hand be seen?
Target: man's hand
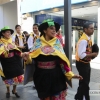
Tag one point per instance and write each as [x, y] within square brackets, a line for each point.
[94, 54]
[78, 77]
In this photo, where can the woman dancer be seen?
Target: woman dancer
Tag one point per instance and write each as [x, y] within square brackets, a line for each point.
[10, 58]
[52, 65]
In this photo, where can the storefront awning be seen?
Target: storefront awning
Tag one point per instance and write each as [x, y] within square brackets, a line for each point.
[37, 5]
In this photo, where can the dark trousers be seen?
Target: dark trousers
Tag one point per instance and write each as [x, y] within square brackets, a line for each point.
[83, 89]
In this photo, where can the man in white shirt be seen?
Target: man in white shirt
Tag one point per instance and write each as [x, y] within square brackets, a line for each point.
[33, 36]
[83, 57]
[19, 38]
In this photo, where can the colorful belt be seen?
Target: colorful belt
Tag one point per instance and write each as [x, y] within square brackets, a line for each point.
[10, 54]
[47, 65]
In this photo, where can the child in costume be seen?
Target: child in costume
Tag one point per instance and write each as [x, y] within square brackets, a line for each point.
[52, 65]
[10, 58]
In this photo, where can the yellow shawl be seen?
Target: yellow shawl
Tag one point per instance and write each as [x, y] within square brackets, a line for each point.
[41, 46]
[54, 43]
[4, 43]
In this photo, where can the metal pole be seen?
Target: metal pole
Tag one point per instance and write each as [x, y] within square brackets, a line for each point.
[67, 29]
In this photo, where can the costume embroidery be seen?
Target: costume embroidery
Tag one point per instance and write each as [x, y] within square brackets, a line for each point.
[37, 44]
[10, 46]
[58, 46]
[47, 49]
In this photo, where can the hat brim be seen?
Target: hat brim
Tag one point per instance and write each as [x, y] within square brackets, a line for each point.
[95, 48]
[12, 31]
[45, 26]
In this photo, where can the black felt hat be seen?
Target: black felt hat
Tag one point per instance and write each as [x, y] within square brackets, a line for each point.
[47, 23]
[95, 48]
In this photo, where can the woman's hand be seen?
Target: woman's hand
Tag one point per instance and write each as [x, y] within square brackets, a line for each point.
[25, 56]
[6, 48]
[78, 77]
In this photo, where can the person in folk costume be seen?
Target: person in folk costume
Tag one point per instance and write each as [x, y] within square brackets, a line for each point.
[33, 36]
[26, 45]
[19, 38]
[84, 55]
[59, 36]
[26, 35]
[52, 67]
[10, 58]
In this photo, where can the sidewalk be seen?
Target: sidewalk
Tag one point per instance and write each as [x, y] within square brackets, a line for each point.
[72, 91]
[94, 84]
[28, 93]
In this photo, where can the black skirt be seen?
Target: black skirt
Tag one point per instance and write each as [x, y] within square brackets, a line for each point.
[49, 82]
[12, 67]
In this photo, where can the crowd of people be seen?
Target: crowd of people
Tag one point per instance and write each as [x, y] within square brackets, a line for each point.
[44, 48]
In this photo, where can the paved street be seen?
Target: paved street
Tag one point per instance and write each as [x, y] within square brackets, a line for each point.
[28, 93]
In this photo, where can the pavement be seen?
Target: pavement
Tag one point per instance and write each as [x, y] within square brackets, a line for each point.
[28, 93]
